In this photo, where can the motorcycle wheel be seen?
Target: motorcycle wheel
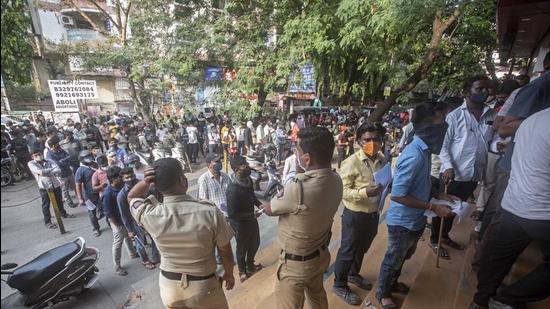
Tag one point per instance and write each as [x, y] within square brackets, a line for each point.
[7, 179]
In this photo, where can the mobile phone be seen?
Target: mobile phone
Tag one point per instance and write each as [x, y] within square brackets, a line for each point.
[489, 122]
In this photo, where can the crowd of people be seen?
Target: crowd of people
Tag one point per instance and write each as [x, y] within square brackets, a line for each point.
[497, 140]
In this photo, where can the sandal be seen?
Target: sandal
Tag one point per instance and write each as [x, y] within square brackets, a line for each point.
[148, 265]
[51, 226]
[451, 243]
[443, 253]
[386, 306]
[254, 268]
[243, 277]
[121, 271]
[97, 233]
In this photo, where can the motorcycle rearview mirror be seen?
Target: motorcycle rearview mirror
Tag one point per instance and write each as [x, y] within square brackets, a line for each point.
[8, 266]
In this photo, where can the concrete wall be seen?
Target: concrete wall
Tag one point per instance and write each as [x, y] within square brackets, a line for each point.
[52, 30]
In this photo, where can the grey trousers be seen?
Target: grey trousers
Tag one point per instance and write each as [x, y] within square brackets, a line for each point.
[489, 181]
[120, 235]
[67, 184]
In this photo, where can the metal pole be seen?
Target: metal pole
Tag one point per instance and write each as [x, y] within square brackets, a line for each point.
[225, 160]
[56, 210]
[440, 236]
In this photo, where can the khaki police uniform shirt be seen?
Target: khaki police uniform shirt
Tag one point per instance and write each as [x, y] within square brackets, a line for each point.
[306, 211]
[185, 230]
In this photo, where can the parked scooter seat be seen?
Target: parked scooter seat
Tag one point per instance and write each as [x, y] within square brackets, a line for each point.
[31, 276]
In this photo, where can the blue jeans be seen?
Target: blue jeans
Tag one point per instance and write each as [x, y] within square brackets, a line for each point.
[401, 247]
[140, 247]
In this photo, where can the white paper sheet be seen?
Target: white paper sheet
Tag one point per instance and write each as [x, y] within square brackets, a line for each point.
[90, 205]
[461, 209]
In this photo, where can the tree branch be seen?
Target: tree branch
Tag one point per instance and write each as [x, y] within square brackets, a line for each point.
[88, 19]
[104, 12]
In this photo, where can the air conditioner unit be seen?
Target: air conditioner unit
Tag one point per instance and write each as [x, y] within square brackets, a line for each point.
[66, 20]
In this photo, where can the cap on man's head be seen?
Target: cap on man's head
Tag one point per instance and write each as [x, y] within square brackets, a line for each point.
[235, 162]
[212, 157]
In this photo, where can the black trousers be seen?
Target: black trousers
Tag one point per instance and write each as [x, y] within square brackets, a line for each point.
[46, 203]
[358, 232]
[508, 236]
[461, 189]
[193, 152]
[341, 155]
[247, 235]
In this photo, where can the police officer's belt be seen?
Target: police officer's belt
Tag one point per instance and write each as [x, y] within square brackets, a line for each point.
[300, 258]
[177, 276]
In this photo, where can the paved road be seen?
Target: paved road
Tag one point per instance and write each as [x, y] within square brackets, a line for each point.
[23, 237]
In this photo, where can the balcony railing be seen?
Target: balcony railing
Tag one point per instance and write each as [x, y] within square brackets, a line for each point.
[79, 35]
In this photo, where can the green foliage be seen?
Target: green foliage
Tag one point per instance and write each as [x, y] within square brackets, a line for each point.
[16, 41]
[356, 46]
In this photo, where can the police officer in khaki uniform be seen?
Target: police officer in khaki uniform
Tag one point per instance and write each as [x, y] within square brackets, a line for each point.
[186, 232]
[306, 210]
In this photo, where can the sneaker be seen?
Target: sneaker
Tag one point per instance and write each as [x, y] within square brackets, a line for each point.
[121, 271]
[347, 295]
[360, 282]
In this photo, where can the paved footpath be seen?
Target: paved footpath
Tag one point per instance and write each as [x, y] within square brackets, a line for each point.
[24, 237]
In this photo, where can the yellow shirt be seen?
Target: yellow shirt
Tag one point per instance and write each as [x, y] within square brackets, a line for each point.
[357, 174]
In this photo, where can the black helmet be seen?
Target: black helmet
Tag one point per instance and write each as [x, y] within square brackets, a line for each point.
[85, 157]
[133, 158]
[53, 141]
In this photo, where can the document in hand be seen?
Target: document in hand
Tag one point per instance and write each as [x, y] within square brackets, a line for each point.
[90, 205]
[461, 209]
[383, 176]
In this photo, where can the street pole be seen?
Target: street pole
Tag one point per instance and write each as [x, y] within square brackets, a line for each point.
[58, 218]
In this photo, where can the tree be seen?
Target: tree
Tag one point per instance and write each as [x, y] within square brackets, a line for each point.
[17, 48]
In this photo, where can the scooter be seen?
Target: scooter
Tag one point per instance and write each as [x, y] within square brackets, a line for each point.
[159, 151]
[273, 182]
[52, 277]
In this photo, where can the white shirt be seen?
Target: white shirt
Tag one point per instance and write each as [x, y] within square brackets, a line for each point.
[267, 130]
[466, 143]
[259, 133]
[240, 134]
[160, 134]
[289, 170]
[528, 191]
[192, 132]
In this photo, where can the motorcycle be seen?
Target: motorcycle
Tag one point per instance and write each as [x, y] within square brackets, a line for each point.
[273, 181]
[159, 151]
[179, 153]
[7, 178]
[53, 277]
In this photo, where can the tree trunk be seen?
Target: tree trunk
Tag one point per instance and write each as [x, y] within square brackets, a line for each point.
[141, 107]
[439, 27]
[262, 95]
[490, 65]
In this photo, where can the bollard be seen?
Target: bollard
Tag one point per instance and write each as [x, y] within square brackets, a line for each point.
[56, 210]
[225, 161]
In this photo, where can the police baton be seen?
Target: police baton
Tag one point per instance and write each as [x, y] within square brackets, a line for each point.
[57, 212]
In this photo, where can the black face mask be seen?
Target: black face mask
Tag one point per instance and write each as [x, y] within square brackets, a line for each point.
[217, 167]
[245, 172]
[432, 134]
